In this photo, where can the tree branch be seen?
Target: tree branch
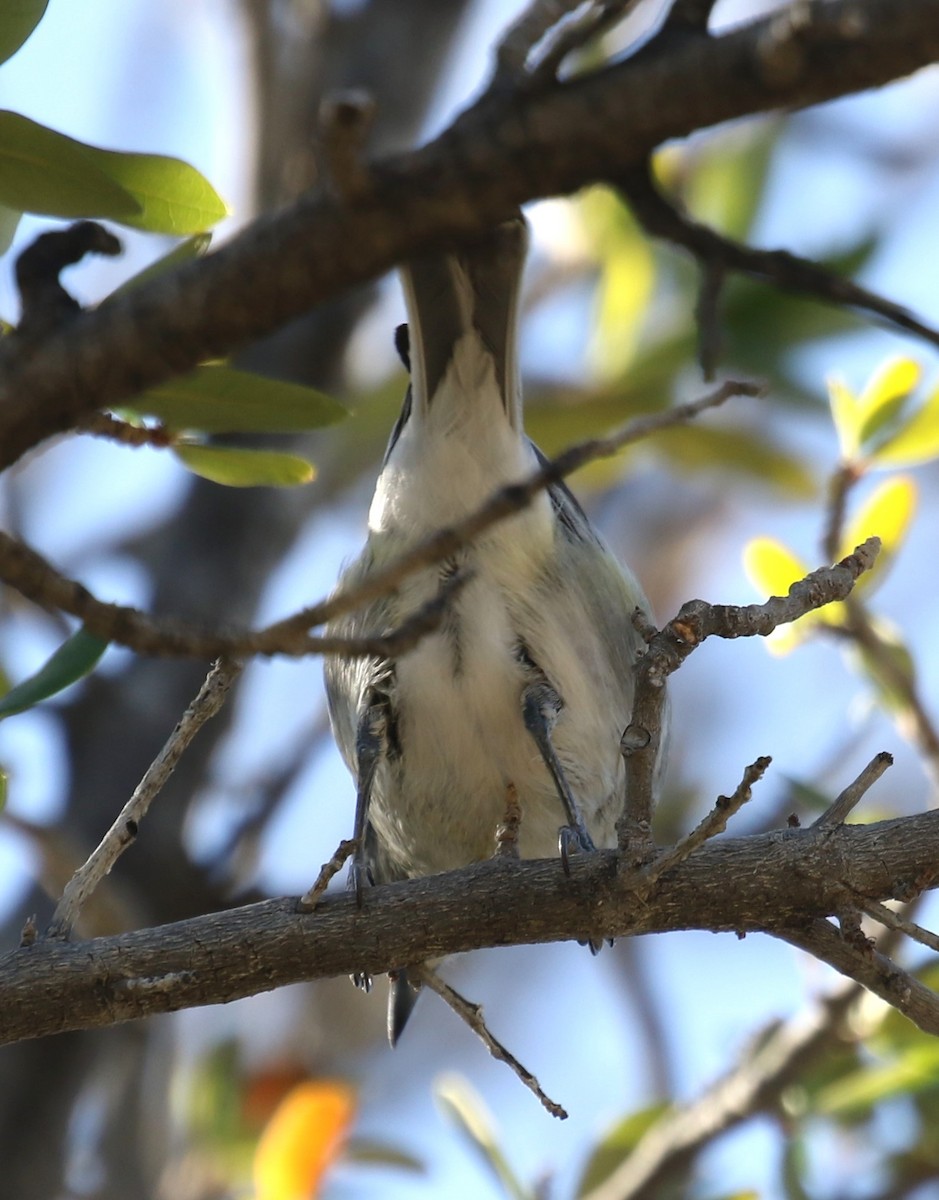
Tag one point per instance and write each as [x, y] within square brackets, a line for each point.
[509, 148]
[779, 880]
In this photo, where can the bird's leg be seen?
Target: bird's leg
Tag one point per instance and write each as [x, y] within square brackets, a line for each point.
[371, 746]
[541, 706]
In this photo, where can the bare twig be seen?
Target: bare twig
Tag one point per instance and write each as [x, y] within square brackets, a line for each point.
[692, 15]
[524, 35]
[329, 870]
[897, 922]
[45, 302]
[714, 823]
[667, 650]
[472, 1015]
[29, 573]
[508, 828]
[867, 966]
[783, 270]
[853, 794]
[839, 486]
[124, 829]
[101, 424]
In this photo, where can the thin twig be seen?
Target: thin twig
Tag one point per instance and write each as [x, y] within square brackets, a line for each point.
[345, 119]
[523, 36]
[668, 649]
[472, 1015]
[867, 966]
[507, 830]
[788, 272]
[29, 573]
[714, 823]
[573, 34]
[329, 870]
[124, 829]
[897, 922]
[852, 795]
[104, 425]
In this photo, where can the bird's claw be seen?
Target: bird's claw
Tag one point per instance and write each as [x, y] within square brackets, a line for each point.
[573, 840]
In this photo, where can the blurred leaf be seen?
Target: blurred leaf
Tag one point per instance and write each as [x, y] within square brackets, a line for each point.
[9, 221]
[917, 439]
[806, 795]
[73, 659]
[378, 1154]
[740, 451]
[616, 1145]
[846, 415]
[4, 788]
[885, 395]
[234, 467]
[890, 667]
[42, 171]
[627, 277]
[887, 515]
[18, 19]
[218, 399]
[727, 177]
[302, 1140]
[465, 1108]
[915, 1069]
[173, 196]
[193, 247]
[771, 567]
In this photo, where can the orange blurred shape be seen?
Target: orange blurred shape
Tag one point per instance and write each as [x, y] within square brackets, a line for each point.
[302, 1140]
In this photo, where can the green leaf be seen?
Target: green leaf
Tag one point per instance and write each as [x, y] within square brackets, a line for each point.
[888, 666]
[616, 1145]
[887, 515]
[465, 1108]
[771, 567]
[4, 788]
[235, 467]
[73, 659]
[219, 399]
[916, 441]
[42, 171]
[378, 1154]
[9, 220]
[18, 19]
[173, 196]
[192, 247]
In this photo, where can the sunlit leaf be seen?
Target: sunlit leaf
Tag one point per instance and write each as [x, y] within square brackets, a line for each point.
[173, 196]
[846, 416]
[18, 19]
[915, 1069]
[219, 399]
[887, 515]
[917, 439]
[191, 247]
[73, 659]
[616, 1145]
[771, 567]
[234, 467]
[466, 1110]
[727, 174]
[42, 171]
[885, 394]
[302, 1140]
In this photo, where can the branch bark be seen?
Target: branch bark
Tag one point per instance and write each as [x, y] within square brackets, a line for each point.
[782, 882]
[511, 147]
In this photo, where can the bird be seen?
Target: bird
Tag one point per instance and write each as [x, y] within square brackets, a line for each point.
[527, 682]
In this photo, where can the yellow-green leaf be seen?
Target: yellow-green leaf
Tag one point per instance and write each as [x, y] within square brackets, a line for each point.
[914, 1070]
[219, 399]
[887, 515]
[42, 171]
[18, 19]
[846, 415]
[771, 567]
[916, 441]
[885, 394]
[235, 467]
[9, 220]
[173, 196]
[73, 659]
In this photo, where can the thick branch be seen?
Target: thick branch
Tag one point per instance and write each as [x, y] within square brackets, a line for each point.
[510, 148]
[775, 882]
